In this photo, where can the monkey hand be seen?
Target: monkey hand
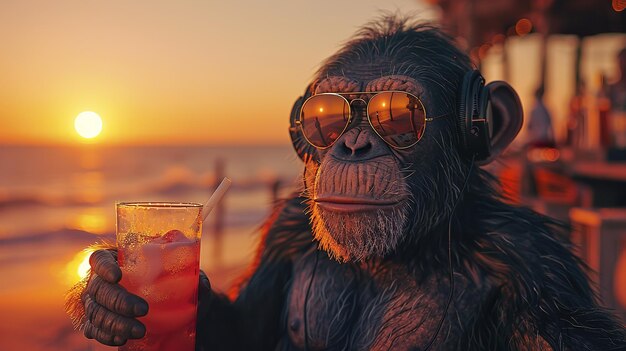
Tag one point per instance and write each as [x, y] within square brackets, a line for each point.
[106, 311]
[205, 296]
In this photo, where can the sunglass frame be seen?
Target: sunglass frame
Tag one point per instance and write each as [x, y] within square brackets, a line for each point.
[299, 121]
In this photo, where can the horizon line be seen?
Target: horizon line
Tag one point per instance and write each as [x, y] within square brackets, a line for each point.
[124, 144]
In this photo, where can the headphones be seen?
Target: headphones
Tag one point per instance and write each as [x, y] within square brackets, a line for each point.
[304, 150]
[473, 125]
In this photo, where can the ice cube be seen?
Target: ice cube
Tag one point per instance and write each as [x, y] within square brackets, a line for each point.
[175, 289]
[174, 235]
[181, 256]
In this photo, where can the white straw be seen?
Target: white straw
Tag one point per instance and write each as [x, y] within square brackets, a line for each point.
[216, 197]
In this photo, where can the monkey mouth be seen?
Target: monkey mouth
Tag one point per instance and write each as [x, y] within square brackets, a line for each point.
[344, 204]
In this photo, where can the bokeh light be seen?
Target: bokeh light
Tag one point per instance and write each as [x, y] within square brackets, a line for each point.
[523, 26]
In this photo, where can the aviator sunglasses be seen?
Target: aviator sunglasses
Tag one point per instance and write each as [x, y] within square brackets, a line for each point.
[398, 117]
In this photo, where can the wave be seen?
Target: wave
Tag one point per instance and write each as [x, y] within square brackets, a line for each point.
[25, 200]
[76, 236]
[172, 183]
[21, 200]
[179, 179]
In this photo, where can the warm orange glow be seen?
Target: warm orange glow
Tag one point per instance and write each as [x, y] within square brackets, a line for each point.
[78, 267]
[619, 5]
[523, 26]
[83, 267]
[88, 124]
[321, 109]
[91, 221]
[483, 50]
[543, 154]
[498, 39]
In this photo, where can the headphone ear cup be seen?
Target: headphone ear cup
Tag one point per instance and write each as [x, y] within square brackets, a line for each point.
[485, 112]
[304, 150]
[473, 124]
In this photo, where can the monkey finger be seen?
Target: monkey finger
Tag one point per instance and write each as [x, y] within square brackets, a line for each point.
[112, 323]
[91, 332]
[115, 298]
[204, 295]
[104, 264]
[205, 283]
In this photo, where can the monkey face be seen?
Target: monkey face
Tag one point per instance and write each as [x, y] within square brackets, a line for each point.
[366, 197]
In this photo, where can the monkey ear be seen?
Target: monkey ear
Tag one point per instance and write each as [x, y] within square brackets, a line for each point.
[507, 117]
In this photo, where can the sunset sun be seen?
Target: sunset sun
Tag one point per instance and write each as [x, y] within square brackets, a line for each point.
[88, 124]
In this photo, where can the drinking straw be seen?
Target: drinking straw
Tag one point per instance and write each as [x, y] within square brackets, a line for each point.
[216, 197]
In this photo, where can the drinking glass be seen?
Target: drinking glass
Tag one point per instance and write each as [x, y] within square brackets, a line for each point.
[159, 253]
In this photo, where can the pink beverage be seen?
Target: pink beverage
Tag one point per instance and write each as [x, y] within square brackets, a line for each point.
[159, 254]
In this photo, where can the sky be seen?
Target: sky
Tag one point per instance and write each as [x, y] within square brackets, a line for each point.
[208, 72]
[167, 72]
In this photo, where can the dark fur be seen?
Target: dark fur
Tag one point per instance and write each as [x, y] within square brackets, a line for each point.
[538, 289]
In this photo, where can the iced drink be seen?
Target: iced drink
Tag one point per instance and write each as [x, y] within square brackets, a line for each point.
[159, 252]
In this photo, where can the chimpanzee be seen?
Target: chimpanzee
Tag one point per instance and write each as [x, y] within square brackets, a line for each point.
[399, 240]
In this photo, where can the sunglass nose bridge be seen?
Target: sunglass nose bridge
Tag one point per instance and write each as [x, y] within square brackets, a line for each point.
[359, 109]
[358, 102]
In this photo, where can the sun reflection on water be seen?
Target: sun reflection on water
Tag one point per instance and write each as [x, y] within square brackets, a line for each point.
[88, 186]
[78, 267]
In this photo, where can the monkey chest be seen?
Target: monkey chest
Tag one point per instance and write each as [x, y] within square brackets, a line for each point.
[340, 307]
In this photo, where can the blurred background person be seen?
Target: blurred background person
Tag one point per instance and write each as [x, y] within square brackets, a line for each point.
[617, 96]
[540, 131]
[577, 116]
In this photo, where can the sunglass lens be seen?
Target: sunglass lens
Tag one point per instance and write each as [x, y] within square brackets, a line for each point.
[397, 117]
[324, 117]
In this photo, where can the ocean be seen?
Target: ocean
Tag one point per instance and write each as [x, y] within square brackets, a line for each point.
[44, 189]
[55, 201]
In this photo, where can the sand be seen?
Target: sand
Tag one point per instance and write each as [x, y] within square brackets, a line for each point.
[37, 273]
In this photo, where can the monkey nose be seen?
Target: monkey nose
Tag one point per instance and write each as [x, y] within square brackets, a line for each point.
[358, 144]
